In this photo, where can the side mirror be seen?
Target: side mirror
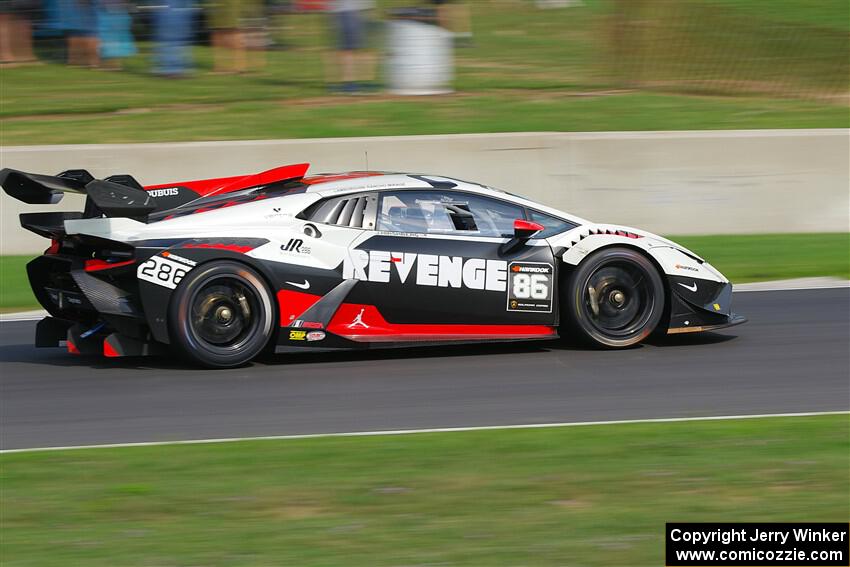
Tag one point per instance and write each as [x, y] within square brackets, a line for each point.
[523, 231]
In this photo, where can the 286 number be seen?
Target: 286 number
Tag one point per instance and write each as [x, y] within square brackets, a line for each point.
[159, 270]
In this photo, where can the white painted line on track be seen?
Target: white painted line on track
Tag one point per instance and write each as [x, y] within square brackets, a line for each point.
[792, 285]
[424, 430]
[778, 285]
[36, 315]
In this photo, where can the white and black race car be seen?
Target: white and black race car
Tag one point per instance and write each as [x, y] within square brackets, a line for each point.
[222, 269]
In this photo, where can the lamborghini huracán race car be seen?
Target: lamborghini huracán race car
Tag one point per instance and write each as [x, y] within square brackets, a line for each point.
[220, 270]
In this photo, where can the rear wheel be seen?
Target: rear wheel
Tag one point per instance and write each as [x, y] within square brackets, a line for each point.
[615, 298]
[221, 315]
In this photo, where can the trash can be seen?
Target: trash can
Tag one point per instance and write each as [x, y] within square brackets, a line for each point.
[420, 57]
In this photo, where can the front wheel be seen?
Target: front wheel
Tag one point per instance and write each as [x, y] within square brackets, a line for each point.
[615, 298]
[221, 315]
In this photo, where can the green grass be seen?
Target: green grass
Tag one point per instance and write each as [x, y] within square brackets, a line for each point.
[15, 291]
[826, 14]
[593, 496]
[742, 258]
[382, 116]
[528, 70]
[764, 257]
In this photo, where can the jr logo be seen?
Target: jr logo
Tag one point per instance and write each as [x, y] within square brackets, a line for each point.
[294, 245]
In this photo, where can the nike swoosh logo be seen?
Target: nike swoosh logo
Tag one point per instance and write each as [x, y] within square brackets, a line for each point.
[692, 288]
[306, 284]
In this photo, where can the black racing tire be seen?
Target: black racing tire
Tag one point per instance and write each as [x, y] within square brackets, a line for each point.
[221, 315]
[615, 298]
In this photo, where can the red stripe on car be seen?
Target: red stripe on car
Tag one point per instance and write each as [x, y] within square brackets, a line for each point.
[98, 265]
[204, 187]
[365, 322]
[221, 246]
[360, 322]
[109, 350]
[294, 303]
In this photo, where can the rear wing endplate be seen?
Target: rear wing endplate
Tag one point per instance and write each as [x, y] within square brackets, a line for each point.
[110, 198]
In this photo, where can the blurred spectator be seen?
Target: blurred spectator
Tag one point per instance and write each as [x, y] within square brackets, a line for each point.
[455, 16]
[81, 28]
[355, 66]
[237, 26]
[16, 31]
[51, 30]
[255, 29]
[113, 27]
[174, 30]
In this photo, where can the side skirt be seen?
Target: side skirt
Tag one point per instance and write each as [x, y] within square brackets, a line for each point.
[335, 343]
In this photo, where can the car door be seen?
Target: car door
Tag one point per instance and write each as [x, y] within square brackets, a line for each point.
[305, 261]
[438, 257]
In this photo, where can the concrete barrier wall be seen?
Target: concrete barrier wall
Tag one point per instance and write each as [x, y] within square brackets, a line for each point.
[711, 182]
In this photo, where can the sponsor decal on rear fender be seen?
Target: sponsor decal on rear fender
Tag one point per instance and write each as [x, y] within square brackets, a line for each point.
[295, 246]
[311, 336]
[316, 336]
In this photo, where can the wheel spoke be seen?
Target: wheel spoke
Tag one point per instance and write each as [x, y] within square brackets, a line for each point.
[222, 313]
[618, 298]
[594, 300]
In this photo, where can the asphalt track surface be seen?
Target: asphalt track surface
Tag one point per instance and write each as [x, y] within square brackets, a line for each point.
[793, 356]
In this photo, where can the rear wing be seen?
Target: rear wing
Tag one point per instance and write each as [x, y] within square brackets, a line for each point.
[105, 197]
[123, 196]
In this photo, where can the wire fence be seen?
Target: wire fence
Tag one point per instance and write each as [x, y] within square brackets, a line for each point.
[684, 46]
[712, 48]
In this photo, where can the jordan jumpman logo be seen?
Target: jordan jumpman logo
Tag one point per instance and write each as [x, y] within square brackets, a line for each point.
[358, 321]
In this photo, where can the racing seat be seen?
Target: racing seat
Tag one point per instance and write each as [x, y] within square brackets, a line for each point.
[408, 219]
[415, 220]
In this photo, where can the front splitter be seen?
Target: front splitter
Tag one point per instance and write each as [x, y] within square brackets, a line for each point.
[734, 319]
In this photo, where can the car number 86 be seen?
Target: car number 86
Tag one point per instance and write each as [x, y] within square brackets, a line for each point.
[162, 271]
[531, 286]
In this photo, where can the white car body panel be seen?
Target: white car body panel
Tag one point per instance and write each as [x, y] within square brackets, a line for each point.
[673, 259]
[275, 219]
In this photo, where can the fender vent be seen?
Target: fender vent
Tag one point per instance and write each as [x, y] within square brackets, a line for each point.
[602, 231]
[344, 211]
